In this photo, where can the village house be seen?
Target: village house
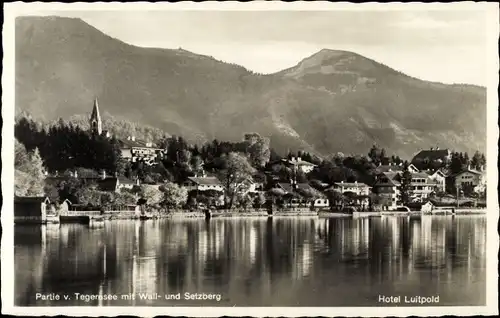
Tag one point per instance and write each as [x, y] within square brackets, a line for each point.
[439, 177]
[472, 178]
[295, 192]
[424, 207]
[64, 207]
[115, 184]
[387, 188]
[132, 149]
[203, 184]
[360, 191]
[358, 188]
[421, 186]
[136, 150]
[295, 163]
[434, 157]
[251, 186]
[30, 209]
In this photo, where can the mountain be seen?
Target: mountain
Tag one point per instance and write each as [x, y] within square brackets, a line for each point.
[331, 101]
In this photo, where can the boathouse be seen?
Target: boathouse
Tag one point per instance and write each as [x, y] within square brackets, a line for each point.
[30, 209]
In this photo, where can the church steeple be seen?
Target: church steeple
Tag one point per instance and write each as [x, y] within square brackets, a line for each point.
[95, 119]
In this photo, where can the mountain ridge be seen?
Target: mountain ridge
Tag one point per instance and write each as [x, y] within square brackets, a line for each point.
[324, 108]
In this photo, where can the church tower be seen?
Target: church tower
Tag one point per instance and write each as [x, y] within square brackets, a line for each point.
[95, 119]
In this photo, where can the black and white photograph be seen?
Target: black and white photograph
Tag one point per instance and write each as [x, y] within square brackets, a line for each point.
[210, 159]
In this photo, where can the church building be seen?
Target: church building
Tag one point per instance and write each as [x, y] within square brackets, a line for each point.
[132, 149]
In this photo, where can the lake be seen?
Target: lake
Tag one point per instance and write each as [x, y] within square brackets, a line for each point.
[289, 261]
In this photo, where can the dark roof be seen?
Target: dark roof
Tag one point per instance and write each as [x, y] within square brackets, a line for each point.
[292, 163]
[111, 183]
[392, 179]
[136, 144]
[432, 172]
[108, 184]
[420, 175]
[471, 171]
[288, 187]
[431, 155]
[205, 180]
[30, 199]
[124, 180]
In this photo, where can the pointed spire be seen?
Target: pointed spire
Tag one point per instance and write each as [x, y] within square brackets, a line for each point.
[95, 111]
[95, 119]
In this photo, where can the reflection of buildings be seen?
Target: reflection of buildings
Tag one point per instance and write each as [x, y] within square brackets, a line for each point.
[247, 260]
[303, 261]
[144, 260]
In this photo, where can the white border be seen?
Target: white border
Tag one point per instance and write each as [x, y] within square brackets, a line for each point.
[11, 10]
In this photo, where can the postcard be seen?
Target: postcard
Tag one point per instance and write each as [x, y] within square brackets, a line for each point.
[250, 159]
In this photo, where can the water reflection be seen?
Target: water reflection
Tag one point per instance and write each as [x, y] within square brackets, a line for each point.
[255, 262]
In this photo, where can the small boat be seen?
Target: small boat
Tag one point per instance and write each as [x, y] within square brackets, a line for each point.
[146, 217]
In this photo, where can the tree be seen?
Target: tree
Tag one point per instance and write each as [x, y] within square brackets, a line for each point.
[456, 163]
[88, 195]
[405, 184]
[236, 169]
[243, 200]
[151, 194]
[482, 162]
[309, 193]
[196, 164]
[476, 161]
[276, 195]
[29, 177]
[20, 155]
[336, 199]
[375, 154]
[259, 200]
[124, 198]
[258, 149]
[174, 195]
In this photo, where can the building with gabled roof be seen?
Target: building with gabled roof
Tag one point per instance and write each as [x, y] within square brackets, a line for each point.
[359, 188]
[30, 209]
[434, 156]
[203, 184]
[115, 184]
[439, 177]
[296, 163]
[471, 178]
[295, 193]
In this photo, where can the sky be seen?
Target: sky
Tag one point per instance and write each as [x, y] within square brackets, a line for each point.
[446, 46]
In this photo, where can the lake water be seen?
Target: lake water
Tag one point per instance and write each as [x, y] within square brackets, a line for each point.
[253, 261]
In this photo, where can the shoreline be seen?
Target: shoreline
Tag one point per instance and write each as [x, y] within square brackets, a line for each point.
[83, 218]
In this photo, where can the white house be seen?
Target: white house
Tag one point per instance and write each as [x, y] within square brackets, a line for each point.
[203, 184]
[421, 186]
[296, 163]
[251, 186]
[440, 178]
[322, 202]
[470, 177]
[356, 187]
